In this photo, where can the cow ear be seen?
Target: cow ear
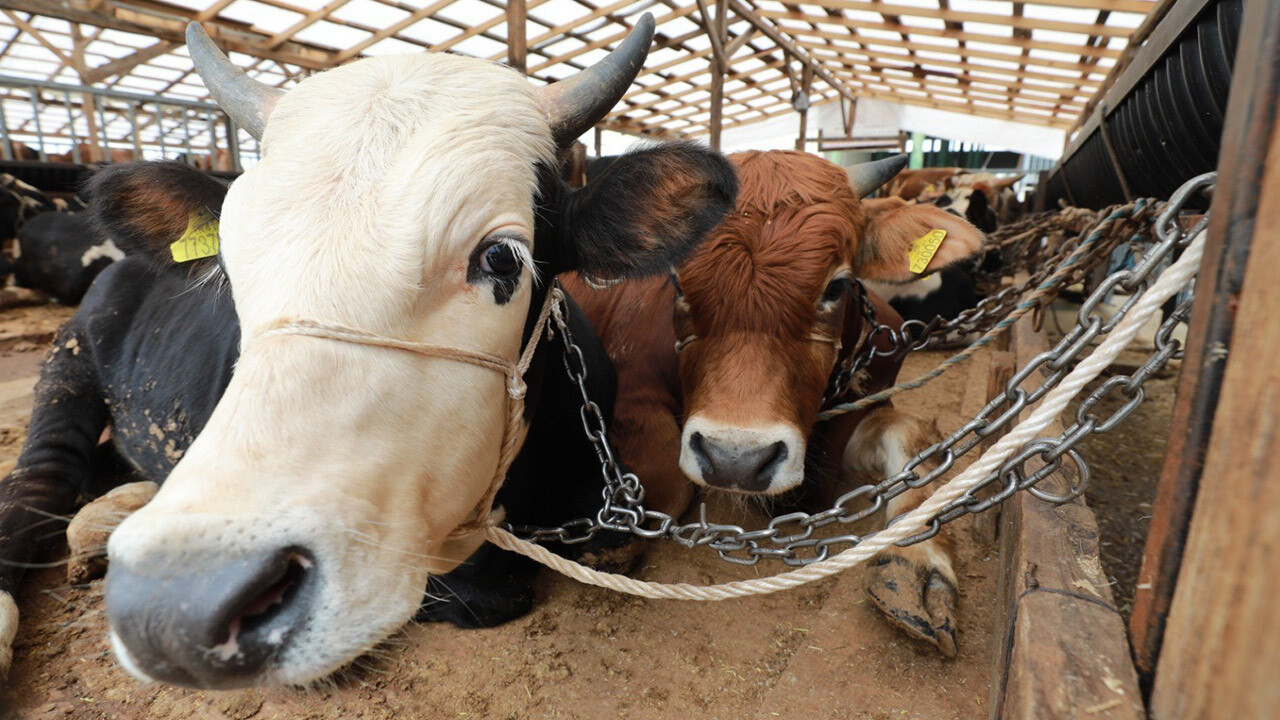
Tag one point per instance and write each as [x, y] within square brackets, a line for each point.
[887, 244]
[875, 207]
[146, 207]
[645, 213]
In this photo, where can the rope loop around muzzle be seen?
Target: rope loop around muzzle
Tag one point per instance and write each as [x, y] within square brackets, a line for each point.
[513, 371]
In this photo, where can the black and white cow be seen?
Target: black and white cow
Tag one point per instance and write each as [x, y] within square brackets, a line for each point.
[60, 253]
[945, 293]
[311, 486]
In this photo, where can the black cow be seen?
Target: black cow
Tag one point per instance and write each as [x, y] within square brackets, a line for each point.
[60, 253]
[943, 294]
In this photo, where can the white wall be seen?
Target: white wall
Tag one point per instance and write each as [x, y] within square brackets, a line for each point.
[877, 118]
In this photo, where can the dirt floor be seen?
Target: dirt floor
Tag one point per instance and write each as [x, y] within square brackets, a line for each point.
[818, 652]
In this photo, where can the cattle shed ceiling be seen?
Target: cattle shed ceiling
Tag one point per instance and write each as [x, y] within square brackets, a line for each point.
[1033, 62]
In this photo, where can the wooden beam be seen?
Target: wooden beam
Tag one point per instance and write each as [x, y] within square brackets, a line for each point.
[785, 43]
[612, 39]
[1024, 23]
[716, 32]
[806, 82]
[963, 50]
[123, 65]
[1220, 650]
[944, 33]
[736, 44]
[307, 20]
[1056, 616]
[172, 26]
[517, 47]
[394, 28]
[1236, 235]
[877, 63]
[711, 26]
[31, 30]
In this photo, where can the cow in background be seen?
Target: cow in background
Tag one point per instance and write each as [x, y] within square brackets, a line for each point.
[90, 154]
[1001, 198]
[911, 184]
[762, 314]
[48, 247]
[60, 254]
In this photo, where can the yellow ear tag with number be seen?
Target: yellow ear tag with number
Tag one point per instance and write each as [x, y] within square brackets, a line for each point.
[199, 241]
[923, 249]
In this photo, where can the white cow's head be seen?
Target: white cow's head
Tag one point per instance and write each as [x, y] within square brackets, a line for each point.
[413, 197]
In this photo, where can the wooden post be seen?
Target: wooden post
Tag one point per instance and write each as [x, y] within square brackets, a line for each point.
[1252, 115]
[517, 41]
[806, 82]
[599, 132]
[1219, 653]
[717, 32]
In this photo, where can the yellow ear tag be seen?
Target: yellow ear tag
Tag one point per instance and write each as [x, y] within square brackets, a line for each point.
[199, 241]
[923, 249]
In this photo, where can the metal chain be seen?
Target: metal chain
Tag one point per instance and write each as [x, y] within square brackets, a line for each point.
[791, 538]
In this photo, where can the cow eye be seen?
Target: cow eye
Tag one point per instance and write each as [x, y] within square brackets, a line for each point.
[500, 260]
[834, 291]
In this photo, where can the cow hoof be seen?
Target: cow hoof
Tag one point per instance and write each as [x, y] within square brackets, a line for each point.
[8, 632]
[88, 532]
[917, 597]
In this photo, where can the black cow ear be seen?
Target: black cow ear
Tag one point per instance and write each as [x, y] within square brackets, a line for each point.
[146, 207]
[648, 211]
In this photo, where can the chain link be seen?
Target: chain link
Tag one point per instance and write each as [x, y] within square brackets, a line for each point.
[792, 539]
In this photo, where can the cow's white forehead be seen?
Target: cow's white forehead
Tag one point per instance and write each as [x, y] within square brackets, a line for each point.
[383, 170]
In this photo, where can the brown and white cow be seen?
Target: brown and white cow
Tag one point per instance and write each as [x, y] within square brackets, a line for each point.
[764, 312]
[911, 184]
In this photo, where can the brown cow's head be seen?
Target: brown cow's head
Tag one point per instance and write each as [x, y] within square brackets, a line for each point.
[766, 298]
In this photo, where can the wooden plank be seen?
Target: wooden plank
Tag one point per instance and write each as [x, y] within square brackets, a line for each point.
[935, 32]
[1219, 653]
[123, 65]
[517, 28]
[1064, 650]
[843, 52]
[1023, 23]
[1252, 112]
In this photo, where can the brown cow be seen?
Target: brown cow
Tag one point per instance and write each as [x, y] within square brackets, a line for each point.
[910, 184]
[764, 311]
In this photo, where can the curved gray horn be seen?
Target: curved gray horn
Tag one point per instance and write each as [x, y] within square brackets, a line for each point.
[246, 100]
[868, 177]
[576, 103]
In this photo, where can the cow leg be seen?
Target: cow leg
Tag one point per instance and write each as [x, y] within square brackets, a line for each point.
[915, 586]
[67, 419]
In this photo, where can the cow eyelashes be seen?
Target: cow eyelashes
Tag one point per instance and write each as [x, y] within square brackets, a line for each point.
[499, 259]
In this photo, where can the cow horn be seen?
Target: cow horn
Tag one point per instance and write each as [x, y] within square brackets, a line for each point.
[247, 101]
[868, 177]
[576, 103]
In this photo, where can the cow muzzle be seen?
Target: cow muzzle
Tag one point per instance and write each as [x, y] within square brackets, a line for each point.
[765, 460]
[216, 622]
